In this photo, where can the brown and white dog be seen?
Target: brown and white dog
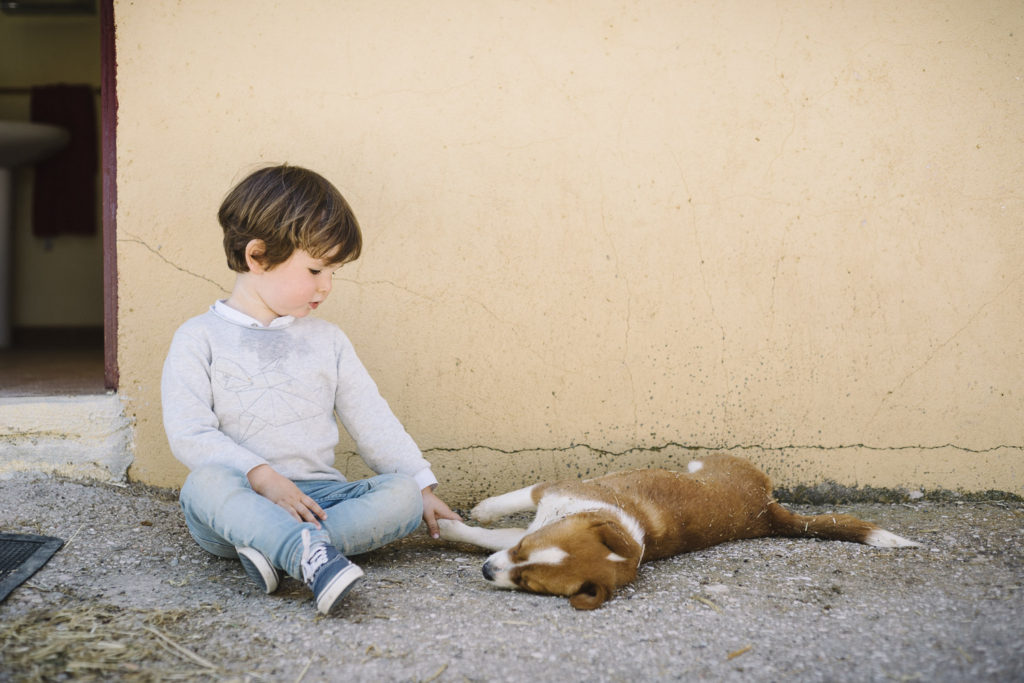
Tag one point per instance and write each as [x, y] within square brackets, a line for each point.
[589, 537]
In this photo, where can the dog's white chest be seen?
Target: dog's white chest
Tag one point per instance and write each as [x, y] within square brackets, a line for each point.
[555, 506]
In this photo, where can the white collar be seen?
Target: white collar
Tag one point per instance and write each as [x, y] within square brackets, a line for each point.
[234, 315]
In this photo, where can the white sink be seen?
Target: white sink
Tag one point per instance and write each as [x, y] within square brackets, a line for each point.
[21, 142]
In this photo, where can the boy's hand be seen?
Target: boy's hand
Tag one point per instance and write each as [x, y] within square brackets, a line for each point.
[283, 491]
[433, 509]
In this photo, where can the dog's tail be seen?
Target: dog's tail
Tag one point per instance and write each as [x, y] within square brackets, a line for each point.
[833, 528]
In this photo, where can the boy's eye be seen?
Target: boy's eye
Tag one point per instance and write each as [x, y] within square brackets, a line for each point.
[317, 271]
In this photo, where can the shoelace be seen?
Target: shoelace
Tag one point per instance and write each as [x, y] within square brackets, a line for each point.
[312, 557]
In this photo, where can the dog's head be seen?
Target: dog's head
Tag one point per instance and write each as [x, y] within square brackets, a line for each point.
[585, 557]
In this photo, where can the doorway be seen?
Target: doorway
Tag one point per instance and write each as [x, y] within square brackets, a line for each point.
[64, 321]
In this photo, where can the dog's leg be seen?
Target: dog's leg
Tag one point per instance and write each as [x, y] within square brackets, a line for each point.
[496, 507]
[492, 539]
[833, 527]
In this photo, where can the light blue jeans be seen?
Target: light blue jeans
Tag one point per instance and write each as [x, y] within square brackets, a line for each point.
[222, 512]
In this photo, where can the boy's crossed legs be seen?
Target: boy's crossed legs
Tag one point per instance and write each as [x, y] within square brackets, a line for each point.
[228, 519]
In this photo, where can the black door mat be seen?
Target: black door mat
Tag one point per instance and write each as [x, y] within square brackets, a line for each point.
[21, 556]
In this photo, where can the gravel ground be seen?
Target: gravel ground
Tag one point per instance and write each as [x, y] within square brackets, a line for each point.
[131, 597]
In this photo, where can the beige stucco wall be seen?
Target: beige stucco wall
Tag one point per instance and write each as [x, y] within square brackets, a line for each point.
[601, 234]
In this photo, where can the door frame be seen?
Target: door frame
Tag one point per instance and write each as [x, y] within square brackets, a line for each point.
[108, 109]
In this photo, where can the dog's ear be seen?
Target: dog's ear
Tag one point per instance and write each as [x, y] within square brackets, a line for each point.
[615, 538]
[591, 596]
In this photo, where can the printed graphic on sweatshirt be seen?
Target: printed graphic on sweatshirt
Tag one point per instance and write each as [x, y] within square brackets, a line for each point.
[266, 398]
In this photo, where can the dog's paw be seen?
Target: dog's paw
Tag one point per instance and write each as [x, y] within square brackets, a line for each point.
[880, 538]
[450, 529]
[487, 511]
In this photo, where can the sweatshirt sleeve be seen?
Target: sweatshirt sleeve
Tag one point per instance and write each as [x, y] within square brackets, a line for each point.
[381, 440]
[193, 429]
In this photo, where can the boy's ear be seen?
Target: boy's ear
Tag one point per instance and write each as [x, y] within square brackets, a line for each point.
[255, 250]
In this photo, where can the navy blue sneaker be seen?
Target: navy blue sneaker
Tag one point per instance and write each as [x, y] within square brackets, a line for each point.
[259, 569]
[327, 572]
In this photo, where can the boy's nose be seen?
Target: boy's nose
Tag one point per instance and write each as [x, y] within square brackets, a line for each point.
[324, 284]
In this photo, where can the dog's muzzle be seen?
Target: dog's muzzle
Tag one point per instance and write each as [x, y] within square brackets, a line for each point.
[496, 570]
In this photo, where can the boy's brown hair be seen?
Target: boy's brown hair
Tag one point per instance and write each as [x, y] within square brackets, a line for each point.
[288, 208]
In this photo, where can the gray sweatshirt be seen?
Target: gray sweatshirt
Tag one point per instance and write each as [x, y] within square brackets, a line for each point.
[238, 394]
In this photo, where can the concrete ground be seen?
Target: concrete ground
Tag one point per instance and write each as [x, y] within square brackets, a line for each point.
[131, 597]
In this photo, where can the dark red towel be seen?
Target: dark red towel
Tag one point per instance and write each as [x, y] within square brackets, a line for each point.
[64, 201]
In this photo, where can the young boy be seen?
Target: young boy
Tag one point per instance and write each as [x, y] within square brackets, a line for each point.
[250, 391]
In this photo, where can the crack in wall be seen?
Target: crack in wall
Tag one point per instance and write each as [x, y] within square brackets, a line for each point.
[701, 269]
[733, 447]
[935, 352]
[514, 329]
[163, 258]
[388, 283]
[627, 332]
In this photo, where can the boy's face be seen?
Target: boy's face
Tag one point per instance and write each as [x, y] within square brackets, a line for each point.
[295, 287]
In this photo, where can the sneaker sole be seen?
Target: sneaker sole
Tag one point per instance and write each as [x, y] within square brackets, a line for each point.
[339, 586]
[258, 569]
